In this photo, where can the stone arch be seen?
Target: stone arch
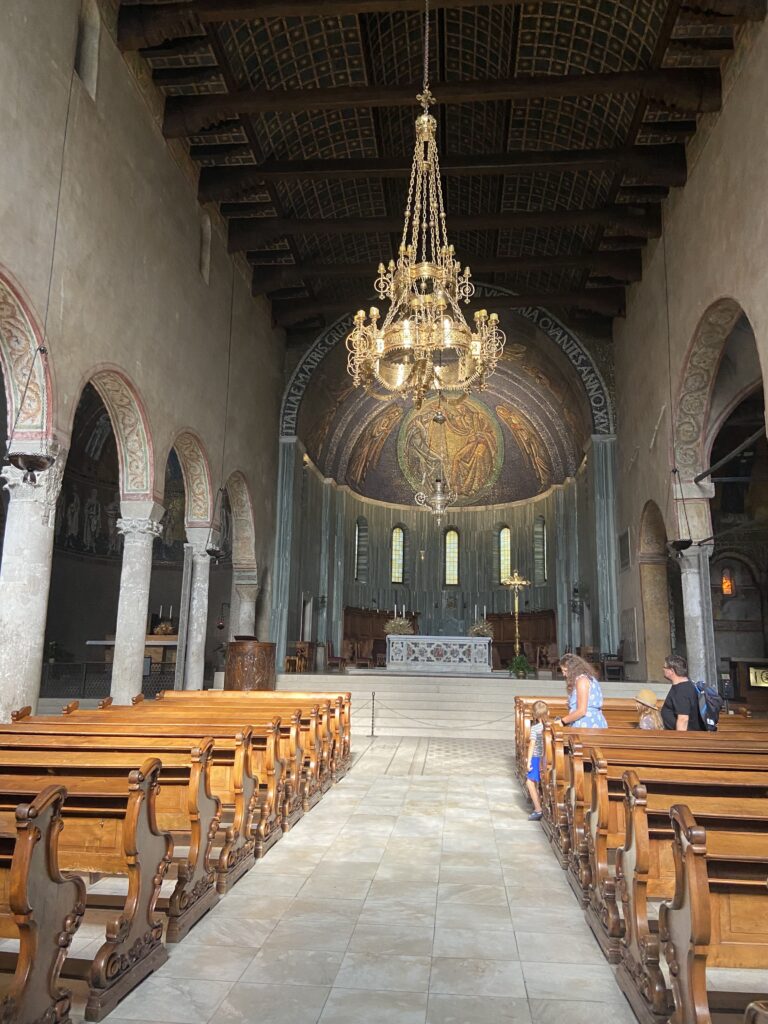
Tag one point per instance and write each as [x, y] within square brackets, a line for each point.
[243, 526]
[195, 468]
[20, 338]
[654, 588]
[132, 432]
[698, 378]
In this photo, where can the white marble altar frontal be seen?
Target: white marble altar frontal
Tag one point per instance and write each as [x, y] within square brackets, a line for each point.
[464, 655]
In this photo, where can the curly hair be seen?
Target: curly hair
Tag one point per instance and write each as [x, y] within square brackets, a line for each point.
[573, 666]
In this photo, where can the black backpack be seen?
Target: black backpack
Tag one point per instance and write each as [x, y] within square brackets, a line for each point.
[710, 705]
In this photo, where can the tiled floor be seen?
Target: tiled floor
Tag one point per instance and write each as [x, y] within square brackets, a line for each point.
[409, 895]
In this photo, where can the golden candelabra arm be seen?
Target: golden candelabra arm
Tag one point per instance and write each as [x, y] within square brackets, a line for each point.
[516, 582]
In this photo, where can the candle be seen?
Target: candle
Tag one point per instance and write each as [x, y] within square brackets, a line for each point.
[170, 614]
[475, 613]
[484, 607]
[161, 612]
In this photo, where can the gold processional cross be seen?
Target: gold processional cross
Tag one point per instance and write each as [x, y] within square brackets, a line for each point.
[516, 582]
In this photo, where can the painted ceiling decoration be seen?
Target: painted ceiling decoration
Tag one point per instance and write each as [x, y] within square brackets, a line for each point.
[563, 126]
[524, 433]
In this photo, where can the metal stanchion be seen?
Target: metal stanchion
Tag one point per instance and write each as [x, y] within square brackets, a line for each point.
[373, 710]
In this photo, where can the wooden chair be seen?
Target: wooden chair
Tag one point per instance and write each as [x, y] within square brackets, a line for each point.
[333, 661]
[612, 665]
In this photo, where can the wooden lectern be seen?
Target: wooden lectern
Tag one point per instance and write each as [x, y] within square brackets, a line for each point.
[250, 665]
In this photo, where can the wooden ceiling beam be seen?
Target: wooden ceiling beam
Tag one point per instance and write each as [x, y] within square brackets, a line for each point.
[147, 24]
[687, 91]
[603, 301]
[203, 75]
[624, 267]
[653, 165]
[252, 232]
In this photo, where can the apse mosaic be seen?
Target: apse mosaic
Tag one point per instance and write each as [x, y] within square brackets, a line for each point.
[516, 439]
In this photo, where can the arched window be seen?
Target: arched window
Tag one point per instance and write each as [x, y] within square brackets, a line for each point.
[505, 553]
[539, 551]
[361, 549]
[451, 558]
[398, 555]
[727, 582]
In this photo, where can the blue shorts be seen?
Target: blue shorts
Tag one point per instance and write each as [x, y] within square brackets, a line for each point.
[535, 773]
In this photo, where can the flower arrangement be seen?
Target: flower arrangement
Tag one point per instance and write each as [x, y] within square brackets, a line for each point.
[482, 628]
[164, 628]
[399, 626]
[520, 667]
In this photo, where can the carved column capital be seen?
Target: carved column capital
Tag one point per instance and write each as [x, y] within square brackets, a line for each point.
[43, 491]
[139, 526]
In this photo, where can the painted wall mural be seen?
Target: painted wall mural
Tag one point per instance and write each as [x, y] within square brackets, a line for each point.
[525, 432]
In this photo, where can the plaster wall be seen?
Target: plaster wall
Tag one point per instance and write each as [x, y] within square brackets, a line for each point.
[126, 289]
[714, 243]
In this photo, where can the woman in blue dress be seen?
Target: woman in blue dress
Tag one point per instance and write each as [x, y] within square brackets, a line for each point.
[585, 697]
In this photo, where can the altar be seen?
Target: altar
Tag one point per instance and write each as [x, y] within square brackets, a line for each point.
[461, 655]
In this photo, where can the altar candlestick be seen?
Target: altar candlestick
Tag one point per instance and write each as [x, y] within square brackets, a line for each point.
[170, 614]
[484, 607]
[161, 613]
[475, 613]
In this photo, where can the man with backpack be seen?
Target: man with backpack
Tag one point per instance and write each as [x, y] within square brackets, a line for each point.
[680, 710]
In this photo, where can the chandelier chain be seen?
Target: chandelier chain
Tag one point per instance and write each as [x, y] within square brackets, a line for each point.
[426, 54]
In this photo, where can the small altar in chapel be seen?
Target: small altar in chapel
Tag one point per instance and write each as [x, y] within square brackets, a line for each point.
[462, 655]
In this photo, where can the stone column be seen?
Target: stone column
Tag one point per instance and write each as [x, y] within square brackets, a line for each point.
[697, 611]
[242, 605]
[289, 471]
[139, 526]
[197, 627]
[25, 579]
[604, 483]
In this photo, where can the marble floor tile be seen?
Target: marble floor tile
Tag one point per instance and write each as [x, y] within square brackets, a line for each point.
[276, 885]
[276, 1004]
[399, 940]
[567, 921]
[555, 1011]
[476, 977]
[417, 891]
[468, 942]
[382, 973]
[347, 1006]
[176, 1000]
[391, 871]
[336, 886]
[593, 983]
[569, 947]
[295, 935]
[474, 894]
[206, 962]
[224, 930]
[489, 875]
[536, 896]
[465, 915]
[452, 1009]
[293, 967]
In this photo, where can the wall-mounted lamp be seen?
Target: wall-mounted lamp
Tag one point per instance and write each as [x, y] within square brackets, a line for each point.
[220, 620]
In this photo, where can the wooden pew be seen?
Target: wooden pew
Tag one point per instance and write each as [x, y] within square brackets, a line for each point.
[566, 787]
[707, 777]
[232, 781]
[38, 907]
[317, 771]
[276, 754]
[718, 917]
[756, 1013]
[341, 705]
[186, 807]
[732, 805]
[110, 828]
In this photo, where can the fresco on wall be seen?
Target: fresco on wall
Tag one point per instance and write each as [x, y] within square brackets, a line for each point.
[525, 432]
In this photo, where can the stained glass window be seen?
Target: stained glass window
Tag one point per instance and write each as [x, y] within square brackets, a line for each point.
[505, 553]
[398, 554]
[361, 549]
[727, 584]
[451, 558]
[539, 551]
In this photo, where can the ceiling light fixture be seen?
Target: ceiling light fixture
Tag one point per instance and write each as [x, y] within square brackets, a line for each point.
[442, 494]
[424, 344]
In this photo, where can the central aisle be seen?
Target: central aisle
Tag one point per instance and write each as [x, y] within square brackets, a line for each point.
[416, 891]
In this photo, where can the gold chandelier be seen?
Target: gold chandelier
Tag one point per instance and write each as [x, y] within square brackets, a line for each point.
[424, 343]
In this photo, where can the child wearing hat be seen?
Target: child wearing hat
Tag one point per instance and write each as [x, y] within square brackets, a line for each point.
[649, 716]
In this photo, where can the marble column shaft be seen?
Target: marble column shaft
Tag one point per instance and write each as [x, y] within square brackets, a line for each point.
[197, 625]
[130, 634]
[25, 579]
[697, 611]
